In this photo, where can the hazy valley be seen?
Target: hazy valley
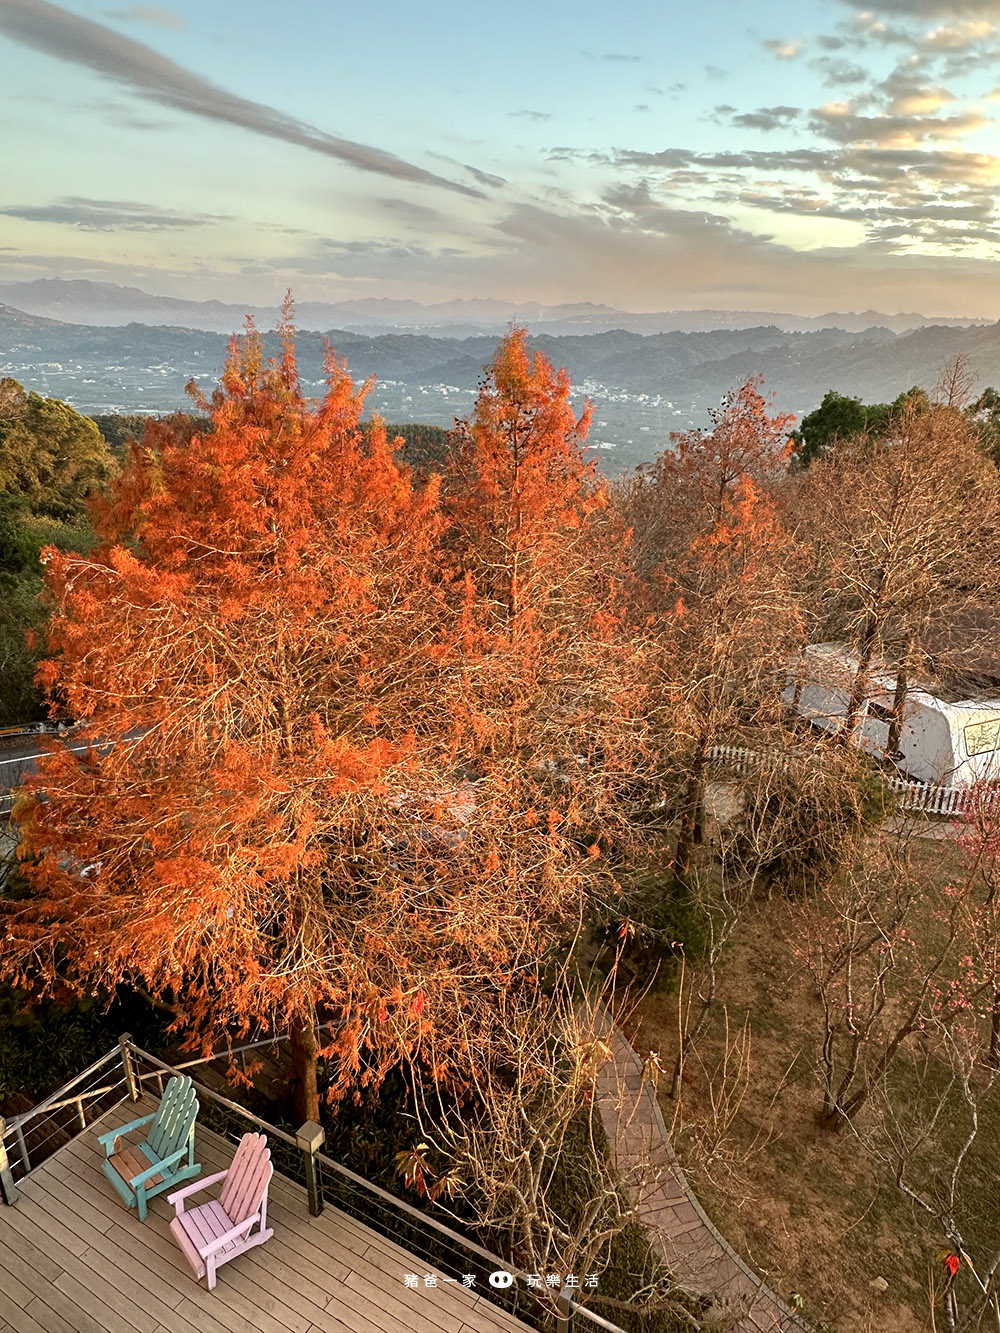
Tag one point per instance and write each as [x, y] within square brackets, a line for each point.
[643, 384]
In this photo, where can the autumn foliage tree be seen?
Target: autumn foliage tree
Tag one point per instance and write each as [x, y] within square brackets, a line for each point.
[300, 822]
[720, 572]
[253, 599]
[553, 706]
[903, 533]
[683, 493]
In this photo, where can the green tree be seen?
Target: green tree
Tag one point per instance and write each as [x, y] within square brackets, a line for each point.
[985, 415]
[20, 612]
[838, 417]
[841, 418]
[51, 457]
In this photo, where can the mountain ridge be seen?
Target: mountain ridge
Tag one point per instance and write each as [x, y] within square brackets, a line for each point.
[84, 301]
[643, 385]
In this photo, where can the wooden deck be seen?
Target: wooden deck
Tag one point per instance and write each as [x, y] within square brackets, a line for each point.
[72, 1257]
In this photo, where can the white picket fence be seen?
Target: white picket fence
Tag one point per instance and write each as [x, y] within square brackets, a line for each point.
[912, 795]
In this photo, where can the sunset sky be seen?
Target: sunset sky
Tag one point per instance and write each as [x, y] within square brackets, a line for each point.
[807, 157]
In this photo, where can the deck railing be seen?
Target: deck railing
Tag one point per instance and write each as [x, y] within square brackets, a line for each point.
[124, 1073]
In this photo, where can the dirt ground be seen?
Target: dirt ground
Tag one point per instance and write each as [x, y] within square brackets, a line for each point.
[806, 1206]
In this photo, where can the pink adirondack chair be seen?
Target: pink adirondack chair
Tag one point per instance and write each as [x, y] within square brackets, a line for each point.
[215, 1232]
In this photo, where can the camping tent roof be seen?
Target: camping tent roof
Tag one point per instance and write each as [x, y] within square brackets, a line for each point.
[841, 663]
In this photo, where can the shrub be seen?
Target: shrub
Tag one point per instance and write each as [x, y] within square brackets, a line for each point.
[802, 820]
[657, 918]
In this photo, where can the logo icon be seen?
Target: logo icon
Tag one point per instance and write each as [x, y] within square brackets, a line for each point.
[501, 1279]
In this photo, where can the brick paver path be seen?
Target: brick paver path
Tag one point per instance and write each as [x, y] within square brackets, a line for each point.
[691, 1247]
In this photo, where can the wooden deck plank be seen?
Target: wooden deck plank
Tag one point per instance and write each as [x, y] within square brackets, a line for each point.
[152, 1238]
[14, 1241]
[66, 1308]
[159, 1298]
[73, 1259]
[362, 1294]
[48, 1318]
[390, 1272]
[193, 1310]
[15, 1277]
[76, 1206]
[84, 1310]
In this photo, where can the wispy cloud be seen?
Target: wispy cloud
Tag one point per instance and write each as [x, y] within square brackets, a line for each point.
[159, 18]
[528, 114]
[767, 118]
[109, 215]
[614, 57]
[784, 50]
[928, 9]
[55, 31]
[835, 72]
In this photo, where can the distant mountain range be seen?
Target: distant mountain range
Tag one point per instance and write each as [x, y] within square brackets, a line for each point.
[643, 385]
[82, 302]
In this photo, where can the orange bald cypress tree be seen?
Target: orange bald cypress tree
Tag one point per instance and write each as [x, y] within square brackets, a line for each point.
[522, 487]
[334, 796]
[551, 703]
[257, 623]
[685, 491]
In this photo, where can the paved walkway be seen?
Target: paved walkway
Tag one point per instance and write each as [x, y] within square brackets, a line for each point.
[691, 1247]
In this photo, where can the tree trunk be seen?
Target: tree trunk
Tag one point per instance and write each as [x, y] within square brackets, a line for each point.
[305, 1090]
[859, 686]
[994, 1056]
[690, 831]
[892, 750]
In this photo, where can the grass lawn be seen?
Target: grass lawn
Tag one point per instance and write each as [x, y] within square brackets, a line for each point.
[811, 1208]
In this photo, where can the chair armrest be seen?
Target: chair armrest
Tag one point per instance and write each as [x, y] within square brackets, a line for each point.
[112, 1134]
[179, 1196]
[153, 1170]
[232, 1234]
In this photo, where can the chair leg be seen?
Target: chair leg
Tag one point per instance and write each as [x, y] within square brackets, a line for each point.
[140, 1198]
[210, 1273]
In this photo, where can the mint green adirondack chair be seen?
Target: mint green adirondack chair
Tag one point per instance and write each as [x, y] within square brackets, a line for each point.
[141, 1172]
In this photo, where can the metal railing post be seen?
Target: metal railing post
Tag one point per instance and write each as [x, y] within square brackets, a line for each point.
[22, 1148]
[564, 1319]
[310, 1138]
[8, 1191]
[131, 1082]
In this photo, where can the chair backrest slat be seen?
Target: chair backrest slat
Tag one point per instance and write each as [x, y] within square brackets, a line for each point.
[177, 1112]
[247, 1179]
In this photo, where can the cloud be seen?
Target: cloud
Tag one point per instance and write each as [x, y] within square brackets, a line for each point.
[909, 96]
[161, 18]
[900, 193]
[930, 9]
[958, 36]
[484, 177]
[767, 118]
[835, 72]
[532, 115]
[638, 252]
[417, 213]
[838, 122]
[56, 32]
[782, 50]
[109, 215]
[614, 57]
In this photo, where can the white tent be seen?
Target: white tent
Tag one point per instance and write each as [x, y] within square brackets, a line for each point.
[948, 744]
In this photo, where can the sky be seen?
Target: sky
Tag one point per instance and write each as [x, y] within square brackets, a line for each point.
[824, 155]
